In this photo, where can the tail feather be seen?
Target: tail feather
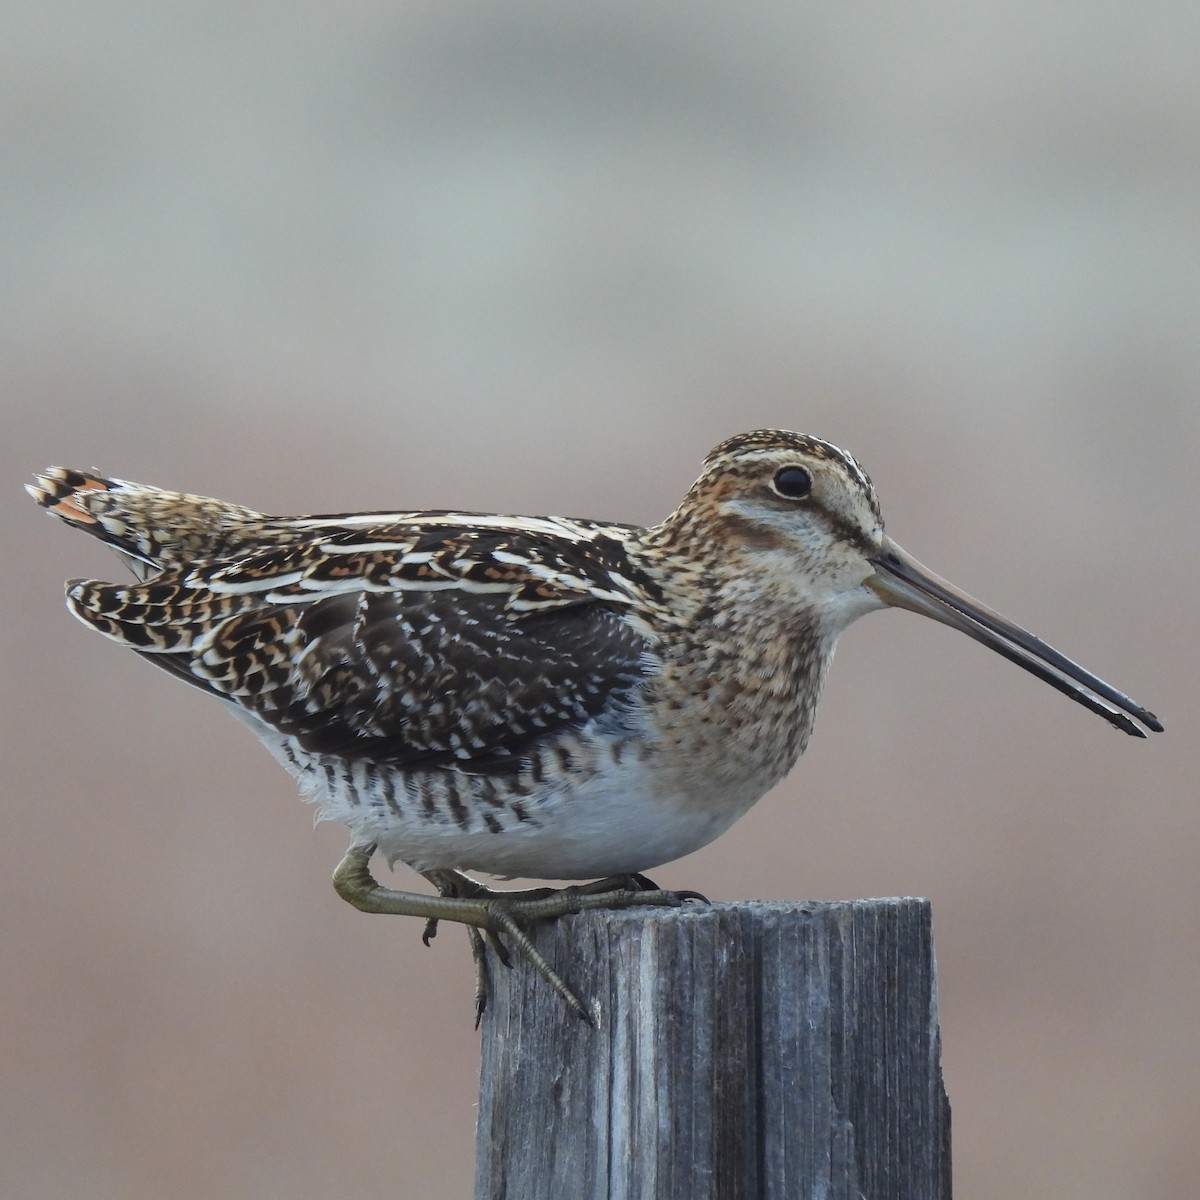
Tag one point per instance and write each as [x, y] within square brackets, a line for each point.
[152, 529]
[63, 492]
[234, 643]
[82, 499]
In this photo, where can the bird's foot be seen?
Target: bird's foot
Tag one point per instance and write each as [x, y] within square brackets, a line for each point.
[491, 917]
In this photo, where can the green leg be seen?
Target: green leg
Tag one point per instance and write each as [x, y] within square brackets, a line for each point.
[489, 914]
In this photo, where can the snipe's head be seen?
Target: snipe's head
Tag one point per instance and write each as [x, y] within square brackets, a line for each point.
[790, 517]
[798, 518]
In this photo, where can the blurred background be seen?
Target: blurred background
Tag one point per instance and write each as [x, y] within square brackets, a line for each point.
[540, 257]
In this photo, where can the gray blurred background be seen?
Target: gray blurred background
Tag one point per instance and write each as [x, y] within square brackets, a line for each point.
[540, 257]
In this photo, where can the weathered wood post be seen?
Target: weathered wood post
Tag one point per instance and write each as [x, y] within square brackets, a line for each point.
[745, 1052]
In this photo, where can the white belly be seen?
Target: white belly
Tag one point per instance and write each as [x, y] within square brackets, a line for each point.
[612, 812]
[618, 823]
[633, 815]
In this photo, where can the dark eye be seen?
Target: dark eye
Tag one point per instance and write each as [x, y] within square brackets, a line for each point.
[793, 482]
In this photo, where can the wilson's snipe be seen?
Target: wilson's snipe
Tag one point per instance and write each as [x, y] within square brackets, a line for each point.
[529, 696]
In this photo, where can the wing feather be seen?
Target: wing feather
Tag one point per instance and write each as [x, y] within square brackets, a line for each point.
[433, 678]
[408, 644]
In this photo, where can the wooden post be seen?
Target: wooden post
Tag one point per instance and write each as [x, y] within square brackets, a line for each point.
[745, 1052]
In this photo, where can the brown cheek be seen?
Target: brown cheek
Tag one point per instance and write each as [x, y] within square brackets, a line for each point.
[749, 533]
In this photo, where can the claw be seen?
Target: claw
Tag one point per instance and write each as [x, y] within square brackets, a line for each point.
[499, 948]
[479, 955]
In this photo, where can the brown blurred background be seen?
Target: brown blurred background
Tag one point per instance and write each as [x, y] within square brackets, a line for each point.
[539, 257]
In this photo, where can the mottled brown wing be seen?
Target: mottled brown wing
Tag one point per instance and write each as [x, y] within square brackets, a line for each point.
[420, 677]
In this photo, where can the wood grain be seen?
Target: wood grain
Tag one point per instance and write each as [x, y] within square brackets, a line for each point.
[765, 1051]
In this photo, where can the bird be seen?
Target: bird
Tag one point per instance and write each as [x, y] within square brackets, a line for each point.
[529, 697]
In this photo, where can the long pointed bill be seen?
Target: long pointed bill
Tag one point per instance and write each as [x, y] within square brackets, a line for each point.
[903, 582]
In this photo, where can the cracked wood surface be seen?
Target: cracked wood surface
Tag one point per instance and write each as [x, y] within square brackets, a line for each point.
[755, 1050]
